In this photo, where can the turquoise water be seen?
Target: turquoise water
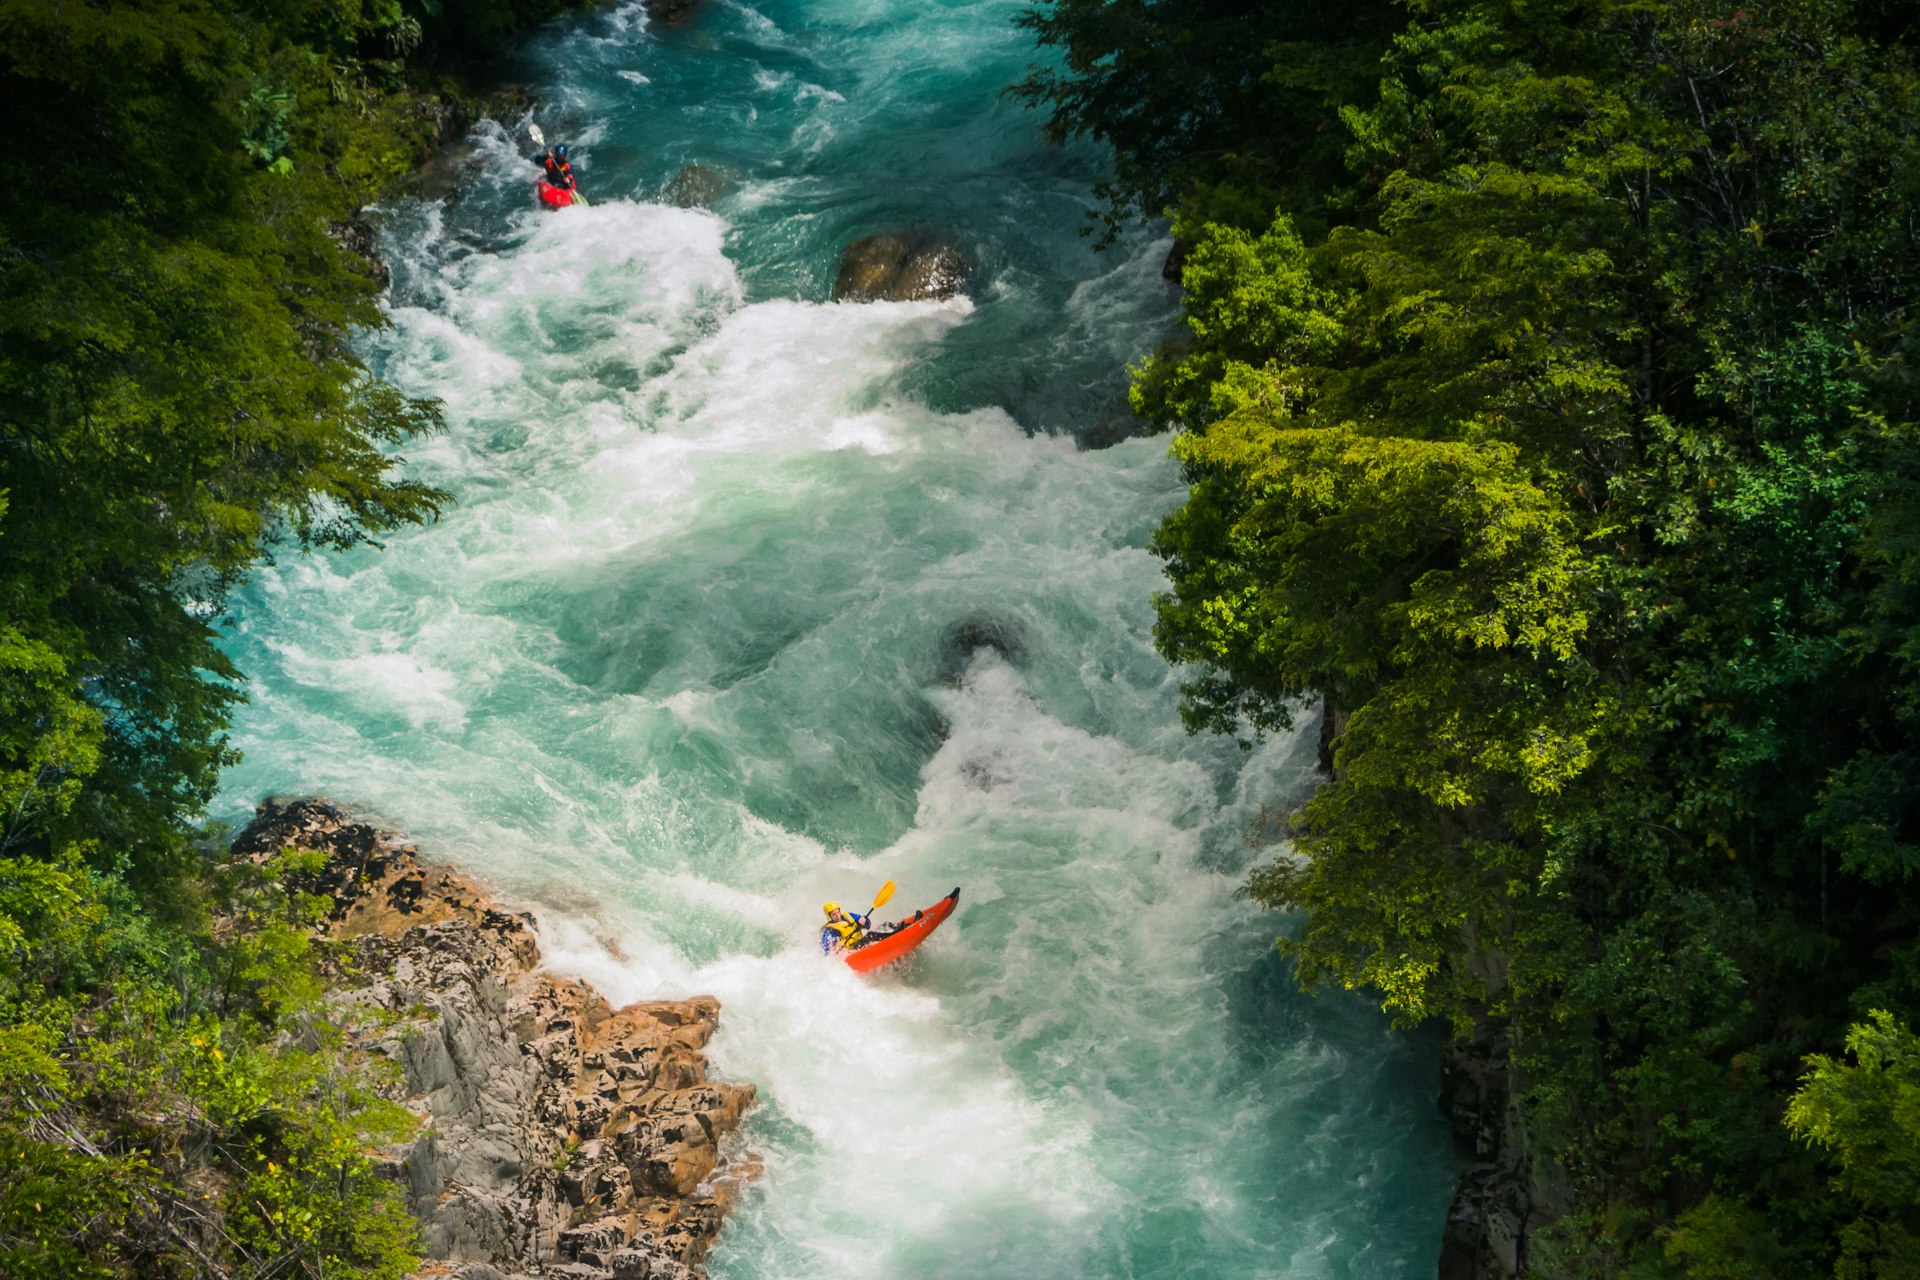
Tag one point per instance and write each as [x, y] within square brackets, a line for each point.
[704, 642]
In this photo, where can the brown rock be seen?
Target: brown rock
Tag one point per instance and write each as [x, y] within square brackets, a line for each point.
[904, 267]
[562, 1136]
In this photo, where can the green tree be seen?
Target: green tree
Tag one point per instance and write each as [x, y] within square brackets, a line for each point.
[179, 397]
[1866, 1115]
[1557, 445]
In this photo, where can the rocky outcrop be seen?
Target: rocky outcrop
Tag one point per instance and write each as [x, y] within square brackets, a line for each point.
[904, 267]
[560, 1136]
[357, 236]
[1504, 1194]
[1174, 266]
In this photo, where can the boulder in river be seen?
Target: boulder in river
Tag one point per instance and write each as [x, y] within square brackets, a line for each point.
[911, 266]
[673, 13]
[964, 639]
[699, 185]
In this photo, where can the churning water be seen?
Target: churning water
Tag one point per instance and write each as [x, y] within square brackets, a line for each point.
[752, 600]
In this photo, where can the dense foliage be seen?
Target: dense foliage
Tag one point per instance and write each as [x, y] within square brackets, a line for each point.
[177, 397]
[1559, 439]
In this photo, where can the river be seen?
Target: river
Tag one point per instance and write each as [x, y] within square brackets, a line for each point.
[752, 600]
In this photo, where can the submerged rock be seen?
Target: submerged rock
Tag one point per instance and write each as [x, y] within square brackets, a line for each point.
[698, 185]
[451, 171]
[904, 267]
[673, 13]
[964, 639]
[561, 1136]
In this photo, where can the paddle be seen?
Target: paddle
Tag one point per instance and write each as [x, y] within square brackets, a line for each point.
[540, 140]
[879, 901]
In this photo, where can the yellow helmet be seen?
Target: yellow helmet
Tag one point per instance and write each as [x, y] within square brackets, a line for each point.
[831, 907]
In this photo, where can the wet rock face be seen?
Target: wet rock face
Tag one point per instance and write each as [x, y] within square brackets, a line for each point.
[904, 267]
[699, 185]
[357, 236]
[1174, 267]
[561, 1136]
[1505, 1194]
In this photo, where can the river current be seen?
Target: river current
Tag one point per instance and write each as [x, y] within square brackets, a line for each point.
[752, 600]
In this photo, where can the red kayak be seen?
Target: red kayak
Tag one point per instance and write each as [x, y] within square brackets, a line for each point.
[555, 197]
[913, 931]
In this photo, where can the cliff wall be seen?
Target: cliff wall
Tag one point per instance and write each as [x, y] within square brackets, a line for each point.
[1505, 1193]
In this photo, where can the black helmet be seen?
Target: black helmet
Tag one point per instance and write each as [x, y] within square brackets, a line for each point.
[560, 152]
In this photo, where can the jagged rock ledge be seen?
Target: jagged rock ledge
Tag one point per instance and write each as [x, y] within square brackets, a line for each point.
[561, 1137]
[1506, 1193]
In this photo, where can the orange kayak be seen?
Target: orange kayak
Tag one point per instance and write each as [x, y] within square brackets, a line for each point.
[556, 197]
[913, 931]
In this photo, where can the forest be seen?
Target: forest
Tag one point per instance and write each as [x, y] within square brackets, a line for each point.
[1547, 403]
[178, 399]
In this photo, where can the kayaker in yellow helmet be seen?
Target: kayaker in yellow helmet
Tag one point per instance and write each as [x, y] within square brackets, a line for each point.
[843, 928]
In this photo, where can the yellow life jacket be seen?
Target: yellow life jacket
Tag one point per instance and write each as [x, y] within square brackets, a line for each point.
[848, 930]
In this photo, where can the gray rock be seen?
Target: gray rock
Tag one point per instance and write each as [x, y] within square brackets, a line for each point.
[631, 1264]
[475, 1271]
[1504, 1192]
[357, 236]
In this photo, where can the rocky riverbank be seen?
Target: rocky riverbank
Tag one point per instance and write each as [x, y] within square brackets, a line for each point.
[560, 1136]
[1505, 1193]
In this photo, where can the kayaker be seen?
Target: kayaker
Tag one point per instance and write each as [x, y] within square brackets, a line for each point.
[843, 929]
[557, 170]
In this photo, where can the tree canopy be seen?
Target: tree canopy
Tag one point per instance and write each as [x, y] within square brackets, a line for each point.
[179, 397]
[1548, 409]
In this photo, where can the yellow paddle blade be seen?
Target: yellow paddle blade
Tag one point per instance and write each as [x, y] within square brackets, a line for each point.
[579, 199]
[880, 899]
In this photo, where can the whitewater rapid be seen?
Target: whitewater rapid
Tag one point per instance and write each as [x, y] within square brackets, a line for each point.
[751, 600]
